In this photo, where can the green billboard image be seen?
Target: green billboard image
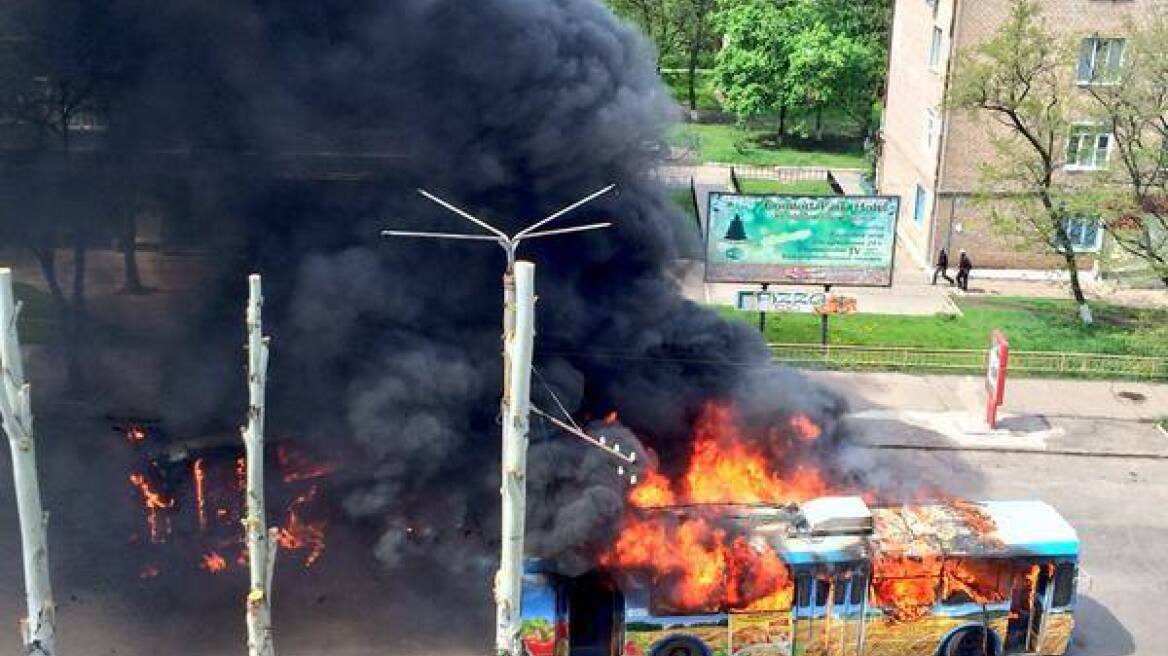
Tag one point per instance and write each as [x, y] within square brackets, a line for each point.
[814, 240]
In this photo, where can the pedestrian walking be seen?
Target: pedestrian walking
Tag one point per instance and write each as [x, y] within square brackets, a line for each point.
[964, 266]
[942, 267]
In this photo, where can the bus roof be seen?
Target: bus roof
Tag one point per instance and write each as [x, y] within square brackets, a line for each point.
[1016, 529]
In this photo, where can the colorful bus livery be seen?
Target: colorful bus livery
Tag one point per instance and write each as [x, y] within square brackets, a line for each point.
[951, 579]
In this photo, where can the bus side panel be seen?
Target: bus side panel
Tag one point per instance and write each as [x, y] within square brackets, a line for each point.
[543, 616]
[653, 636]
[761, 634]
[914, 638]
[1057, 636]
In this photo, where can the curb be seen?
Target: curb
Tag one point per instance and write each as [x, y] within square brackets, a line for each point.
[1075, 453]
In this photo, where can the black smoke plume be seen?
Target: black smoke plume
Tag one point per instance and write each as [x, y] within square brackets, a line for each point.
[303, 128]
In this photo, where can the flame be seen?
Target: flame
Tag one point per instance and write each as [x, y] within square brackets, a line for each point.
[725, 467]
[213, 562]
[147, 571]
[298, 467]
[299, 534]
[652, 492]
[804, 427]
[154, 501]
[200, 475]
[697, 563]
[905, 586]
[612, 417]
[694, 565]
[135, 435]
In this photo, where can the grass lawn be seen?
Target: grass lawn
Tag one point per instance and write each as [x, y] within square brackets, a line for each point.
[732, 144]
[1029, 324]
[684, 199]
[808, 187]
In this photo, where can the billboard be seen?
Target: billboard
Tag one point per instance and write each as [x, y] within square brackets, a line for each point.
[807, 240]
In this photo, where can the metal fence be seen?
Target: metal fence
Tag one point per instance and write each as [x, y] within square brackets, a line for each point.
[1033, 363]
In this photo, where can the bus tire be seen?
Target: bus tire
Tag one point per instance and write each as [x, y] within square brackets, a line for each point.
[680, 645]
[971, 641]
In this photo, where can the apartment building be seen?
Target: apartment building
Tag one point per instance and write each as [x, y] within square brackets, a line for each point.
[930, 156]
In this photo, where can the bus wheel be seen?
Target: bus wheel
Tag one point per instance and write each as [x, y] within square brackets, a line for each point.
[680, 646]
[971, 642]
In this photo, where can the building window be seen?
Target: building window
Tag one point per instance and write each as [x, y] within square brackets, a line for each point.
[1088, 148]
[1099, 60]
[935, 50]
[1085, 234]
[919, 203]
[930, 129]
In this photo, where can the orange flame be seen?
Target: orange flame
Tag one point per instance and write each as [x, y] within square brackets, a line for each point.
[694, 566]
[299, 534]
[135, 435]
[804, 427]
[726, 468]
[200, 476]
[154, 501]
[297, 467]
[213, 562]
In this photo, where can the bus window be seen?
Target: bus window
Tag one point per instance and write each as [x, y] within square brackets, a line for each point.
[840, 590]
[822, 592]
[803, 591]
[859, 584]
[1064, 585]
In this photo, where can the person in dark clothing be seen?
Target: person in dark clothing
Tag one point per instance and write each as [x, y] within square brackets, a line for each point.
[942, 266]
[964, 266]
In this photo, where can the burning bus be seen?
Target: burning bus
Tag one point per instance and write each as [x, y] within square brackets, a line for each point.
[830, 576]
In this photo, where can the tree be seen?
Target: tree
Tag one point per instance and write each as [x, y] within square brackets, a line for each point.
[58, 75]
[808, 55]
[751, 68]
[659, 19]
[698, 36]
[1134, 191]
[681, 29]
[833, 63]
[1020, 78]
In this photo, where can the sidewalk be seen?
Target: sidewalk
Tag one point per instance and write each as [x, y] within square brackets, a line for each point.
[910, 292]
[1099, 418]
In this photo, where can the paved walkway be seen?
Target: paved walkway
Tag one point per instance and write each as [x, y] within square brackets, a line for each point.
[1100, 418]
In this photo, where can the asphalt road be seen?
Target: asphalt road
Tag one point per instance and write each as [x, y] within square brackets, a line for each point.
[1116, 504]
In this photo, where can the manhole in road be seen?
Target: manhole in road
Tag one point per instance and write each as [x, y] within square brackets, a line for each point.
[1135, 397]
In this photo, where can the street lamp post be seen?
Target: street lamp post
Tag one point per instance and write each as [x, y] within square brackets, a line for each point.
[518, 339]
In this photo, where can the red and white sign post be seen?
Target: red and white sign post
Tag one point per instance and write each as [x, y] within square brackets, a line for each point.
[999, 358]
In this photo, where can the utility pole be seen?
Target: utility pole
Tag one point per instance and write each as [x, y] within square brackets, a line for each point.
[518, 340]
[261, 542]
[38, 629]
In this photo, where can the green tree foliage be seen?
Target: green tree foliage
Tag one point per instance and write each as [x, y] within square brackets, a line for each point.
[681, 29]
[1021, 79]
[1134, 190]
[805, 55]
[751, 69]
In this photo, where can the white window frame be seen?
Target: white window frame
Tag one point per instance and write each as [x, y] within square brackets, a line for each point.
[932, 131]
[936, 40]
[1085, 248]
[1093, 78]
[920, 204]
[1095, 133]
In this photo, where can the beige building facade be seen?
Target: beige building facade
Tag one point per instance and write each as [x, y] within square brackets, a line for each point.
[930, 156]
